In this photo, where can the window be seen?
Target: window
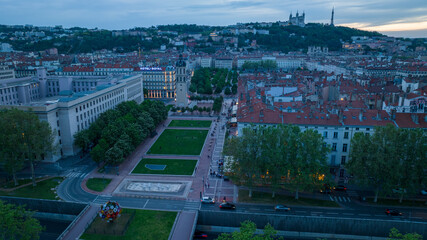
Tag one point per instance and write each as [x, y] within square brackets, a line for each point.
[334, 147]
[343, 158]
[325, 134]
[341, 172]
[335, 134]
[367, 129]
[333, 157]
[345, 135]
[344, 147]
[357, 129]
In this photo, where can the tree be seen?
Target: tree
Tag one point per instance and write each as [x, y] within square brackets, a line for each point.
[247, 232]
[396, 235]
[114, 156]
[17, 223]
[98, 152]
[234, 88]
[29, 138]
[378, 160]
[82, 140]
[227, 91]
[247, 152]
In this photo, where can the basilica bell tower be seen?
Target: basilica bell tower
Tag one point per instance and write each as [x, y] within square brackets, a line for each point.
[181, 83]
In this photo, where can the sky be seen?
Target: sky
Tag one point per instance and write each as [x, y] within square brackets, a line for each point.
[399, 18]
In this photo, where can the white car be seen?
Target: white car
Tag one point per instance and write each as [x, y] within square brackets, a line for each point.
[207, 200]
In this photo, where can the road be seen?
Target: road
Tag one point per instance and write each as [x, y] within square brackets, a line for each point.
[366, 212]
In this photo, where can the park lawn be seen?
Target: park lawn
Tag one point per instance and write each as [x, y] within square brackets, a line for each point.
[173, 166]
[263, 197]
[43, 190]
[97, 184]
[179, 142]
[146, 225]
[190, 123]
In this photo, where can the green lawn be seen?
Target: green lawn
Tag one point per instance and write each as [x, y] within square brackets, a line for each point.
[146, 225]
[43, 190]
[174, 166]
[97, 184]
[190, 123]
[262, 197]
[179, 142]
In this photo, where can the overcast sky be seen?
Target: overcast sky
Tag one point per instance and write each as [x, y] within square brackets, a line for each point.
[393, 17]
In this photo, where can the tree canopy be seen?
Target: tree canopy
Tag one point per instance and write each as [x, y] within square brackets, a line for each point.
[389, 159]
[247, 232]
[18, 223]
[23, 138]
[117, 132]
[277, 156]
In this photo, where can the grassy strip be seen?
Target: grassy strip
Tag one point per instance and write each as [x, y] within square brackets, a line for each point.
[179, 142]
[97, 184]
[265, 198]
[43, 190]
[190, 123]
[147, 225]
[174, 166]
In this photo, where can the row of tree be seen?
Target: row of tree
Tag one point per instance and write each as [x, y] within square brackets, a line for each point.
[276, 156]
[195, 108]
[23, 138]
[117, 132]
[248, 231]
[391, 158]
[205, 80]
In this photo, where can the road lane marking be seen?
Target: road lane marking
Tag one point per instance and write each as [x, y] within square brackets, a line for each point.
[333, 213]
[146, 203]
[331, 198]
[339, 199]
[348, 213]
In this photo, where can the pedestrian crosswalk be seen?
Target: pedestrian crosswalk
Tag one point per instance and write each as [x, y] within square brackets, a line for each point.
[101, 199]
[340, 198]
[76, 175]
[192, 205]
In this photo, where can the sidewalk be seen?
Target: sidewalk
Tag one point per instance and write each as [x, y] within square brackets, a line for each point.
[82, 223]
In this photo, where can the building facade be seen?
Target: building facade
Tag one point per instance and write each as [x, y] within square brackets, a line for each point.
[160, 82]
[56, 101]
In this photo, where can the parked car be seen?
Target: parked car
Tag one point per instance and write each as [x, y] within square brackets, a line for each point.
[423, 192]
[227, 205]
[208, 200]
[393, 212]
[326, 189]
[282, 208]
[340, 188]
[199, 235]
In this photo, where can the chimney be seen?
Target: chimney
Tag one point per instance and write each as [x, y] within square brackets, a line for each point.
[361, 116]
[340, 116]
[378, 115]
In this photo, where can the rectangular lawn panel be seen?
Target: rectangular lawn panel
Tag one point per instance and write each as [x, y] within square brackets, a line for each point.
[145, 225]
[43, 190]
[173, 166]
[179, 142]
[190, 123]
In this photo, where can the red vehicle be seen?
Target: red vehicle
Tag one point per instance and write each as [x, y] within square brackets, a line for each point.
[393, 212]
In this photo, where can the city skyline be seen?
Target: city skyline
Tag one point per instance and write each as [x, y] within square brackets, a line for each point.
[394, 18]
